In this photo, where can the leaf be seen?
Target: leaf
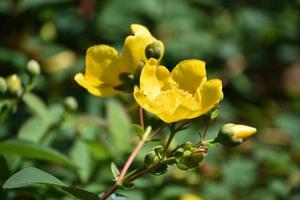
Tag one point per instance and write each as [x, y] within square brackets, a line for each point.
[30, 176]
[116, 196]
[34, 151]
[80, 193]
[33, 176]
[33, 129]
[28, 4]
[114, 170]
[81, 157]
[55, 113]
[137, 129]
[4, 170]
[119, 126]
[36, 105]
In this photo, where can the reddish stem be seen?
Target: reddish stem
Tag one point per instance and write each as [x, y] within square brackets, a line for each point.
[141, 113]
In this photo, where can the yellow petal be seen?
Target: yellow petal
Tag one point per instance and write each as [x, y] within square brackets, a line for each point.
[179, 114]
[154, 79]
[242, 131]
[209, 95]
[189, 74]
[144, 102]
[135, 45]
[102, 65]
[95, 88]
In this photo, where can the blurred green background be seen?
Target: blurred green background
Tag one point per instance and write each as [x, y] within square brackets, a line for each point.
[253, 46]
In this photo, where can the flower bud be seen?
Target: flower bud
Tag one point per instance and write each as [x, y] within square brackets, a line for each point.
[33, 67]
[71, 103]
[234, 134]
[3, 85]
[153, 50]
[151, 158]
[14, 83]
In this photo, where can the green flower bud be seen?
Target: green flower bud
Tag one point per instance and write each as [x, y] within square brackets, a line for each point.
[160, 169]
[33, 67]
[159, 150]
[153, 50]
[234, 134]
[3, 85]
[14, 83]
[151, 158]
[71, 103]
[187, 146]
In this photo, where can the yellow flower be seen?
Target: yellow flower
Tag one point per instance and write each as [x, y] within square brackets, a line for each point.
[104, 64]
[234, 134]
[184, 93]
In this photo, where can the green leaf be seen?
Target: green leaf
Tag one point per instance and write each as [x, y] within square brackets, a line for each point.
[81, 157]
[119, 126]
[34, 151]
[36, 105]
[4, 170]
[116, 196]
[33, 176]
[30, 176]
[33, 129]
[29, 4]
[114, 170]
[137, 129]
[55, 114]
[80, 193]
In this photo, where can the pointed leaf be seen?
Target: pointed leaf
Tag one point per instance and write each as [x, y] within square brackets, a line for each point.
[119, 126]
[33, 129]
[30, 176]
[137, 129]
[34, 151]
[36, 105]
[114, 170]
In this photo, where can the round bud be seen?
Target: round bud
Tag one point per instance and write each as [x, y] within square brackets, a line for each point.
[33, 67]
[14, 83]
[71, 103]
[3, 85]
[153, 50]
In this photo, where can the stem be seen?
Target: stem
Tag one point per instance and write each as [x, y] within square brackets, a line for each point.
[127, 165]
[111, 190]
[141, 114]
[130, 159]
[157, 131]
[205, 130]
[141, 173]
[172, 134]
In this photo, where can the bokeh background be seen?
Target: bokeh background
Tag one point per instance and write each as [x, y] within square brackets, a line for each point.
[253, 46]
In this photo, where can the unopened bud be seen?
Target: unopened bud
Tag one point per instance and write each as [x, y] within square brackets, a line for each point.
[33, 67]
[3, 85]
[14, 83]
[153, 50]
[234, 134]
[151, 158]
[71, 103]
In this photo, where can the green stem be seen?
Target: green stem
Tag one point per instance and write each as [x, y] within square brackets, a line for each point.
[172, 134]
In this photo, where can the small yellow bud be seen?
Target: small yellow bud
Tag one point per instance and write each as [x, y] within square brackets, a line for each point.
[33, 67]
[3, 85]
[190, 197]
[234, 134]
[14, 83]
